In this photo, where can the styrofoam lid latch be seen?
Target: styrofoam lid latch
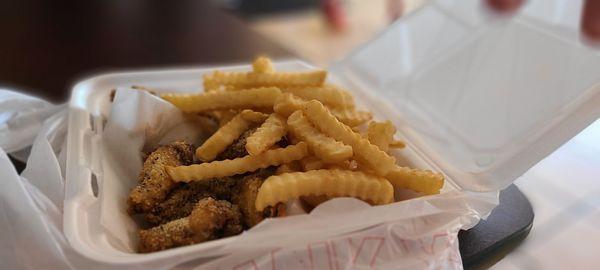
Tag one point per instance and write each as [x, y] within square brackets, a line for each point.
[485, 98]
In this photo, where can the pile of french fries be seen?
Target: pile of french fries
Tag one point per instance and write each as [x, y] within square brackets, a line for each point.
[326, 157]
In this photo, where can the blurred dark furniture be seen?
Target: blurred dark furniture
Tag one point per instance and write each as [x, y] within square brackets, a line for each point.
[45, 46]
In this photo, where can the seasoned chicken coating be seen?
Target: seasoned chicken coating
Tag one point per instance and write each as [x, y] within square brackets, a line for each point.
[245, 197]
[154, 183]
[169, 235]
[182, 199]
[213, 219]
[210, 219]
[179, 204]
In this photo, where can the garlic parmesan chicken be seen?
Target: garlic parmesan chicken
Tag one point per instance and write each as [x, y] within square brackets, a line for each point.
[154, 183]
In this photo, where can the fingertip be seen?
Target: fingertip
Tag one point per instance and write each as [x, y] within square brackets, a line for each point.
[505, 6]
[590, 21]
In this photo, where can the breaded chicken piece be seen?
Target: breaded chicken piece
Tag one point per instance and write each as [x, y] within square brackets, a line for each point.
[222, 187]
[245, 198]
[210, 219]
[169, 235]
[182, 199]
[154, 183]
[213, 219]
[179, 204]
[238, 148]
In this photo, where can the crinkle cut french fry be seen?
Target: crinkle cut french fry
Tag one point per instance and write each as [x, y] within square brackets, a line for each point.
[397, 144]
[329, 96]
[266, 135]
[364, 151]
[263, 65]
[311, 163]
[253, 116]
[351, 117]
[423, 181]
[324, 147]
[335, 183]
[209, 83]
[287, 103]
[224, 116]
[288, 168]
[224, 136]
[244, 164]
[344, 165]
[218, 100]
[253, 79]
[381, 134]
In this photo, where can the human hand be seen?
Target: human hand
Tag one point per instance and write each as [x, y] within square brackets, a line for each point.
[590, 16]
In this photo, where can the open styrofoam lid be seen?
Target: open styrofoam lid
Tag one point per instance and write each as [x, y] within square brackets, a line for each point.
[483, 97]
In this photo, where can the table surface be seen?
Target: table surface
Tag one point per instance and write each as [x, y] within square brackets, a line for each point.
[49, 45]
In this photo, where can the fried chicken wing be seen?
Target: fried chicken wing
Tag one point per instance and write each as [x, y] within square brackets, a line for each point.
[210, 219]
[154, 183]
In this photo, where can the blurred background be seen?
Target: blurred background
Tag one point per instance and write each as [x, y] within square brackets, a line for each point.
[328, 29]
[47, 46]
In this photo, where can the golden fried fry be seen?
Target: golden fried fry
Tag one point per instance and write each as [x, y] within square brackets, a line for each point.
[324, 147]
[224, 116]
[339, 183]
[423, 181]
[311, 163]
[397, 144]
[248, 163]
[279, 79]
[293, 166]
[226, 135]
[253, 116]
[381, 134]
[218, 100]
[351, 117]
[364, 151]
[327, 95]
[344, 165]
[266, 135]
[263, 65]
[153, 182]
[287, 103]
[210, 85]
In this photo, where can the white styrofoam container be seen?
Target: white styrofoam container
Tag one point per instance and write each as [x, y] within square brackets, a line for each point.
[479, 98]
